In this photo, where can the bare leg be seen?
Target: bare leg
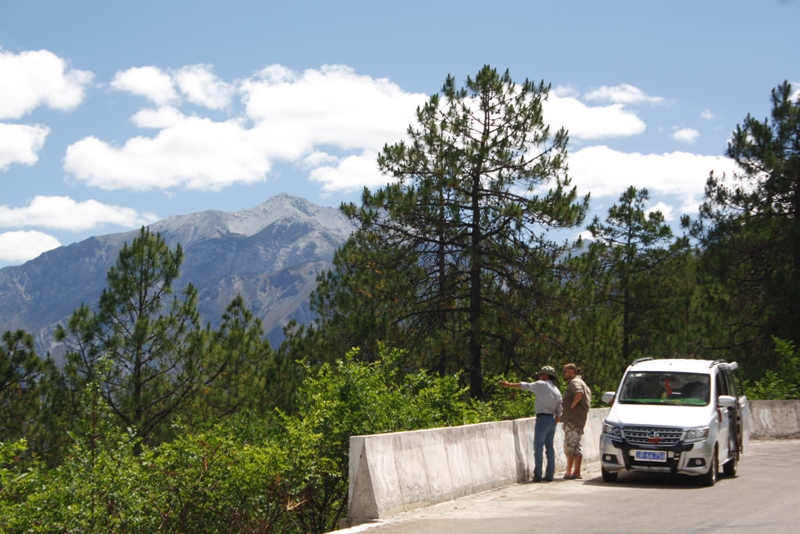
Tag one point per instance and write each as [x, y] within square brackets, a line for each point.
[576, 472]
[570, 459]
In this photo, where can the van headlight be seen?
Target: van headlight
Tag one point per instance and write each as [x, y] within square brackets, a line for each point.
[612, 431]
[696, 434]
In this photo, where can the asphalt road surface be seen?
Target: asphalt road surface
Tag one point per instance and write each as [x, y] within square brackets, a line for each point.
[764, 497]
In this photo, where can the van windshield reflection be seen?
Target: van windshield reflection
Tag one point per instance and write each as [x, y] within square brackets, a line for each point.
[665, 388]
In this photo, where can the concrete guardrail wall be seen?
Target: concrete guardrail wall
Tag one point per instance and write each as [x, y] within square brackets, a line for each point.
[392, 473]
[775, 419]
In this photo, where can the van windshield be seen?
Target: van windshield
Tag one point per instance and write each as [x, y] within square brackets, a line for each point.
[665, 388]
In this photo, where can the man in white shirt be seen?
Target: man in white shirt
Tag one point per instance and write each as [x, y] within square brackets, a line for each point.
[548, 410]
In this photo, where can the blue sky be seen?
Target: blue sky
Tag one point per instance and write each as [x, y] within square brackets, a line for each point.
[117, 114]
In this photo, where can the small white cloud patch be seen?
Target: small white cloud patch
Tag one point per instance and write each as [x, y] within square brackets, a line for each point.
[20, 143]
[351, 173]
[39, 78]
[666, 210]
[64, 213]
[622, 94]
[686, 135]
[203, 88]
[150, 82]
[19, 247]
[607, 173]
[590, 122]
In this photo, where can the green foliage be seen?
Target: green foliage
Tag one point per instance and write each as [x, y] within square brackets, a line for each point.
[210, 482]
[782, 383]
[350, 397]
[151, 340]
[21, 371]
[631, 244]
[240, 475]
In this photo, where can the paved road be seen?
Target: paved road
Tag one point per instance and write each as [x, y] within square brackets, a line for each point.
[764, 497]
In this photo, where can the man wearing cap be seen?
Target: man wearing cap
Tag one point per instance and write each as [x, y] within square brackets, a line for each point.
[548, 409]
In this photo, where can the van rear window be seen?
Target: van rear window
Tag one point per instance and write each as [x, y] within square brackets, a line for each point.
[665, 388]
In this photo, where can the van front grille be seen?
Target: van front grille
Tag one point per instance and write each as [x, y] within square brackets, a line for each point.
[652, 436]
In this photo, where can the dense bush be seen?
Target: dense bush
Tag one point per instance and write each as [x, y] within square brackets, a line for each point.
[241, 475]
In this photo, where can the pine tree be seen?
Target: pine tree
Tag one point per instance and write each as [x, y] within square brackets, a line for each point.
[749, 224]
[632, 245]
[459, 235]
[143, 345]
[21, 371]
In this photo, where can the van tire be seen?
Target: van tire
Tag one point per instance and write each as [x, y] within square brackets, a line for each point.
[729, 467]
[710, 478]
[608, 476]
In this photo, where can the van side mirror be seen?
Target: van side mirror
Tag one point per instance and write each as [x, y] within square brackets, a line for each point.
[726, 401]
[608, 397]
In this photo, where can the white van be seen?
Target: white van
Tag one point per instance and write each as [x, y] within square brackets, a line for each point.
[676, 416]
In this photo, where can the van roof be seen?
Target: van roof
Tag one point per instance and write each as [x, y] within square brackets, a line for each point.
[675, 365]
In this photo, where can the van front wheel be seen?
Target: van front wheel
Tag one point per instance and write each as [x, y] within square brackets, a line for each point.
[608, 476]
[710, 478]
[729, 467]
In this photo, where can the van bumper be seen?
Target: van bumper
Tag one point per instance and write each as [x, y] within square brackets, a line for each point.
[682, 459]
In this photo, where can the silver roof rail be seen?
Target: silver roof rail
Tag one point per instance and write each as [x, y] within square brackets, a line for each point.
[647, 358]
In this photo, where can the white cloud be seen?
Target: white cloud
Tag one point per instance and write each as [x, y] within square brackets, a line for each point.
[203, 88]
[196, 153]
[38, 78]
[666, 210]
[707, 115]
[150, 82]
[590, 122]
[318, 159]
[623, 94]
[18, 247]
[163, 117]
[64, 213]
[331, 106]
[686, 135]
[296, 118]
[351, 173]
[607, 173]
[20, 143]
[565, 91]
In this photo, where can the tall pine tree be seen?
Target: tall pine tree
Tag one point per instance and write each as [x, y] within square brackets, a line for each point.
[458, 239]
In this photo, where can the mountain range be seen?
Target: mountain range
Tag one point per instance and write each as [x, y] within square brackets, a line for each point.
[270, 254]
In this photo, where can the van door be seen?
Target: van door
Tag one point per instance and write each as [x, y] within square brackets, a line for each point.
[745, 419]
[736, 414]
[725, 417]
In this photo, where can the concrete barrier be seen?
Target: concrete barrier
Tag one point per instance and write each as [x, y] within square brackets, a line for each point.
[392, 473]
[775, 419]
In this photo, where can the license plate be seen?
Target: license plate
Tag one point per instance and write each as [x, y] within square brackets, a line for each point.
[650, 456]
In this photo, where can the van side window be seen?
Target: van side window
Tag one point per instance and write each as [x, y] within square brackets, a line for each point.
[731, 382]
[722, 385]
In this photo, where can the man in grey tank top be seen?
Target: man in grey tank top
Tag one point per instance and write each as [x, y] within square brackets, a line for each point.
[548, 410]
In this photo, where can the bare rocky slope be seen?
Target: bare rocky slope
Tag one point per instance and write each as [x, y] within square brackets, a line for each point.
[270, 254]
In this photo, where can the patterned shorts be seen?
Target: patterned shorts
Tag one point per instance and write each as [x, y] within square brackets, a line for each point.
[572, 439]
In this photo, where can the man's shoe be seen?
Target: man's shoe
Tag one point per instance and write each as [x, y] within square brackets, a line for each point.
[537, 479]
[548, 479]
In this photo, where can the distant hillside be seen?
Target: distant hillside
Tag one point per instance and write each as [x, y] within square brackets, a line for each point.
[270, 254]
